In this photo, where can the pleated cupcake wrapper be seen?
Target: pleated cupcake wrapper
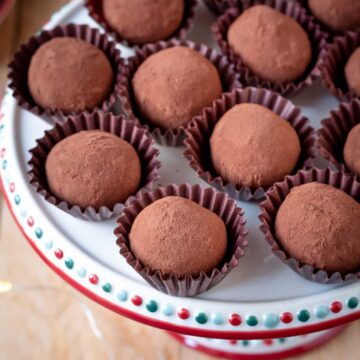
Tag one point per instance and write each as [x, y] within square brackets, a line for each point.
[297, 12]
[333, 66]
[334, 131]
[116, 125]
[218, 7]
[220, 204]
[95, 8]
[21, 61]
[198, 135]
[275, 197]
[228, 76]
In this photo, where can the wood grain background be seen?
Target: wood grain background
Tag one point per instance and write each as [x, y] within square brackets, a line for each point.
[43, 317]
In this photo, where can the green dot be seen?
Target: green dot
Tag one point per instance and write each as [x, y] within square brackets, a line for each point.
[282, 340]
[245, 342]
[17, 199]
[106, 287]
[252, 320]
[201, 318]
[38, 233]
[69, 263]
[303, 315]
[353, 302]
[151, 306]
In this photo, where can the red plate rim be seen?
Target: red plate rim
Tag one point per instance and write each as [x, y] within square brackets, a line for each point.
[246, 335]
[276, 355]
[5, 8]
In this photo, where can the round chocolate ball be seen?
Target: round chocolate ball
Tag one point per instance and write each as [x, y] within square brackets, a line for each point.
[352, 72]
[339, 15]
[352, 150]
[319, 225]
[173, 85]
[178, 237]
[69, 74]
[93, 168]
[143, 21]
[272, 45]
[253, 146]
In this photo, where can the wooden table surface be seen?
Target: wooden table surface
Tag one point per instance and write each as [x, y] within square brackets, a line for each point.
[43, 317]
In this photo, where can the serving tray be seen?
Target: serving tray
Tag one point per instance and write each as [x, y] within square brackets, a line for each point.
[260, 299]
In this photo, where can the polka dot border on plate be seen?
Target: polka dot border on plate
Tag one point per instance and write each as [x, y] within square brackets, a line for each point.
[94, 280]
[269, 321]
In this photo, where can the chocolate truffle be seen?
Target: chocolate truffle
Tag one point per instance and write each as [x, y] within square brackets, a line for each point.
[339, 15]
[177, 236]
[69, 74]
[93, 168]
[143, 21]
[352, 150]
[352, 72]
[272, 45]
[319, 225]
[173, 85]
[253, 146]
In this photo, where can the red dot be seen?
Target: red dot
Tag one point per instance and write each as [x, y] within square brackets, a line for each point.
[58, 253]
[267, 342]
[12, 187]
[136, 300]
[30, 221]
[94, 279]
[232, 342]
[183, 314]
[336, 307]
[3, 150]
[235, 319]
[286, 317]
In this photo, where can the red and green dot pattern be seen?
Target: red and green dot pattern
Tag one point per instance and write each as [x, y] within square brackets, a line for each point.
[269, 320]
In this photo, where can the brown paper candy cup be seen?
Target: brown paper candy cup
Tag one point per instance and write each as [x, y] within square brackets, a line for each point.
[218, 7]
[95, 8]
[21, 61]
[274, 198]
[333, 67]
[116, 125]
[298, 13]
[334, 131]
[170, 137]
[198, 135]
[220, 204]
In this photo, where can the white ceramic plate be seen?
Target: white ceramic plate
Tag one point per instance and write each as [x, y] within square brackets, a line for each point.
[258, 292]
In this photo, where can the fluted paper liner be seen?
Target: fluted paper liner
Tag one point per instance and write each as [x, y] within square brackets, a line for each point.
[298, 13]
[21, 61]
[275, 197]
[333, 66]
[228, 76]
[198, 135]
[189, 285]
[334, 131]
[116, 125]
[95, 8]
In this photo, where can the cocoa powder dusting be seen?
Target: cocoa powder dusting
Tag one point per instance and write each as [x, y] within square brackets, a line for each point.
[319, 225]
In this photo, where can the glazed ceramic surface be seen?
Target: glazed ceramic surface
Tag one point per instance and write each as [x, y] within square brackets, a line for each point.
[260, 298]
